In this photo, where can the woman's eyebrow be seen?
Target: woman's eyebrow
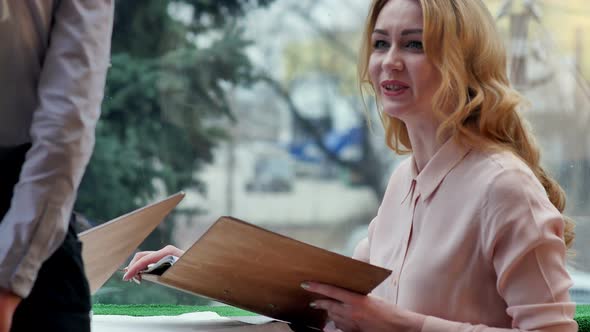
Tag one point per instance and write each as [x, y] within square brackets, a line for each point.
[403, 33]
[411, 31]
[381, 32]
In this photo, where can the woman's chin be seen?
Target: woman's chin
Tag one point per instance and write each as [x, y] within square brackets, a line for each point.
[395, 112]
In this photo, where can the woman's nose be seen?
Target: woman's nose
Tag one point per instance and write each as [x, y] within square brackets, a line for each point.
[393, 61]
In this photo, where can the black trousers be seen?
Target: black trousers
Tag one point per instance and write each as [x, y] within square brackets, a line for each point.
[60, 298]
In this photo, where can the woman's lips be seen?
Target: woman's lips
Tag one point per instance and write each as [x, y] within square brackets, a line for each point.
[394, 88]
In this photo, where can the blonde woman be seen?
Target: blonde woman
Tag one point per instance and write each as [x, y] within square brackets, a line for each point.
[470, 224]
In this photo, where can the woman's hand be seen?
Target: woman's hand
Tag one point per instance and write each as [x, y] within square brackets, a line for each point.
[352, 312]
[144, 258]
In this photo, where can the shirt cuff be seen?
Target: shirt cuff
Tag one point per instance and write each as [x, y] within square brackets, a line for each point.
[22, 286]
[39, 238]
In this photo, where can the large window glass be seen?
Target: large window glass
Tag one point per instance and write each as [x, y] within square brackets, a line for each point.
[252, 109]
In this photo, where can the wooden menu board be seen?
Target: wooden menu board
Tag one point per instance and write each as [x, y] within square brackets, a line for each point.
[249, 267]
[106, 247]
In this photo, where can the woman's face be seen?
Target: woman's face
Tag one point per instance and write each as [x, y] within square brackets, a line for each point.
[403, 78]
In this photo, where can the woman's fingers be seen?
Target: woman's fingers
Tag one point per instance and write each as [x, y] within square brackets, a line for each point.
[333, 292]
[141, 263]
[332, 307]
[137, 257]
[142, 259]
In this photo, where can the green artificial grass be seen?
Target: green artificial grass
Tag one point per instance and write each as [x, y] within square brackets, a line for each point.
[164, 310]
[583, 317]
[582, 311]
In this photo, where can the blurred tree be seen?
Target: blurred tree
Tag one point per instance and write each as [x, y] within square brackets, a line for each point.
[332, 54]
[164, 102]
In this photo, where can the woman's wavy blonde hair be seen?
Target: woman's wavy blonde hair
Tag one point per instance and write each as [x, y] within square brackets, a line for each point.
[461, 40]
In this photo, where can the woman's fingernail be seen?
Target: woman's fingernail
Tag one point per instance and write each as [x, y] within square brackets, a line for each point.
[304, 285]
[313, 305]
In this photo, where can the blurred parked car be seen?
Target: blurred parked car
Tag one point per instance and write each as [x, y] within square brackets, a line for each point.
[271, 174]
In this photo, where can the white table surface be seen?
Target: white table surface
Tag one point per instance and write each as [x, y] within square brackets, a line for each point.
[197, 321]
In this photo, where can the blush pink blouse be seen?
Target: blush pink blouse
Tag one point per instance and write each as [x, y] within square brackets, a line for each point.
[474, 243]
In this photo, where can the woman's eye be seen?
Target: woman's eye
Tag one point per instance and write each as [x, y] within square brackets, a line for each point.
[380, 44]
[414, 44]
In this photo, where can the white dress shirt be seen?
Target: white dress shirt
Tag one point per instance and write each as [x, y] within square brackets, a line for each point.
[53, 63]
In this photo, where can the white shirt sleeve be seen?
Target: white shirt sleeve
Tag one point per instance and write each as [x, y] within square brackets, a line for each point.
[70, 91]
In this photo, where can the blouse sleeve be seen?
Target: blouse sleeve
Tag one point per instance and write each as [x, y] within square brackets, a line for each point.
[523, 241]
[362, 252]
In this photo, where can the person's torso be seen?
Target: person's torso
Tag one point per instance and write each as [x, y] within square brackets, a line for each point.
[24, 33]
[433, 245]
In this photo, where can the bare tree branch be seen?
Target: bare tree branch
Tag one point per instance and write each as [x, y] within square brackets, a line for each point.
[366, 167]
[326, 34]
